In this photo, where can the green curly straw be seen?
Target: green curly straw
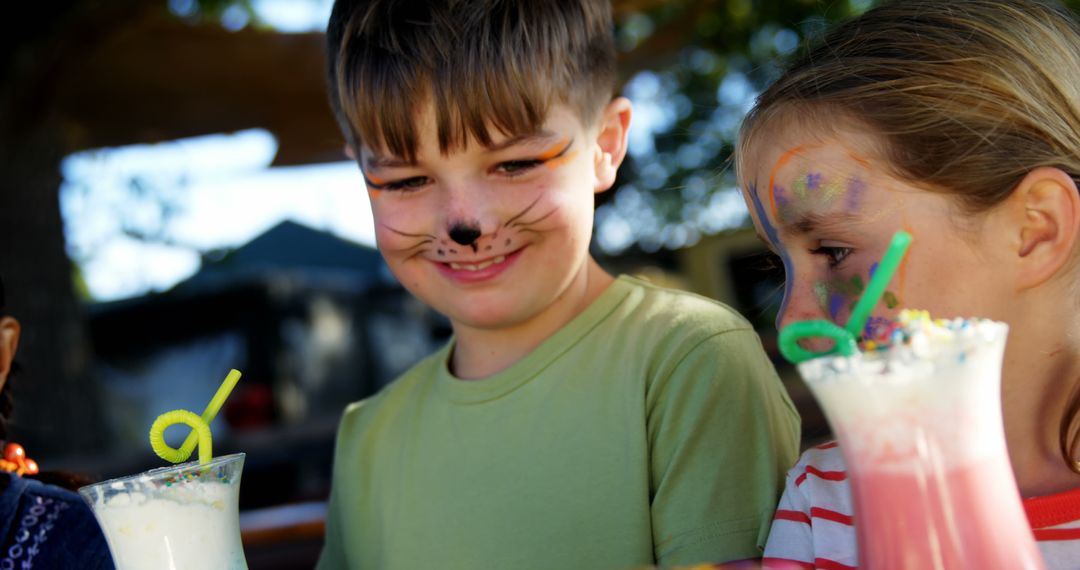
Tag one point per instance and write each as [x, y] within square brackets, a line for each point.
[844, 338]
[200, 427]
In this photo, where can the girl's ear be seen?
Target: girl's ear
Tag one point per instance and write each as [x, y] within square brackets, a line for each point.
[614, 128]
[1046, 209]
[9, 342]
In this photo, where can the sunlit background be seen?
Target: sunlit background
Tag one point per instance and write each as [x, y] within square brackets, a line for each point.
[233, 247]
[140, 219]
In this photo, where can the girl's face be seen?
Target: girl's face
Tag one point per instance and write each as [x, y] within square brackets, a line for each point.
[829, 211]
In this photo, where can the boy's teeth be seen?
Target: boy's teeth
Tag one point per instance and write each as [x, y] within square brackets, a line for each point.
[477, 266]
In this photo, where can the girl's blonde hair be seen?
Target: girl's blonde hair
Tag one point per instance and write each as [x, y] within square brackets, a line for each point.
[966, 97]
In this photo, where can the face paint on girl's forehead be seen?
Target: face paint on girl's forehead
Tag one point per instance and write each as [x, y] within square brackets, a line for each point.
[774, 239]
[814, 190]
[855, 189]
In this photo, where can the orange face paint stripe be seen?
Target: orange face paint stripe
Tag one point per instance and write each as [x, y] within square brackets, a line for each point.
[374, 179]
[554, 150]
[554, 163]
[780, 162]
[859, 159]
[375, 193]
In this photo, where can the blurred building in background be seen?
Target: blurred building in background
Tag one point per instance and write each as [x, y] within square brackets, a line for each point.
[313, 322]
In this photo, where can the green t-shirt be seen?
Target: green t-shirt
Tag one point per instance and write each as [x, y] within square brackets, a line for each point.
[651, 428]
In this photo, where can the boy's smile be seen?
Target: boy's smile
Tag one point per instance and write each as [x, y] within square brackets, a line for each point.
[494, 236]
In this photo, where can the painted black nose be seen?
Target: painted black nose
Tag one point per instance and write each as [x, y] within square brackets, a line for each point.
[464, 234]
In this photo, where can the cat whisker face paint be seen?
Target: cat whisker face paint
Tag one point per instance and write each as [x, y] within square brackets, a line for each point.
[482, 233]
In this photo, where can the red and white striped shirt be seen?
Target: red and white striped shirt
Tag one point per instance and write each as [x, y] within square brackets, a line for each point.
[813, 526]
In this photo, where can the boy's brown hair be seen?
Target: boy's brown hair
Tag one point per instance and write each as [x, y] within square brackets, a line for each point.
[481, 63]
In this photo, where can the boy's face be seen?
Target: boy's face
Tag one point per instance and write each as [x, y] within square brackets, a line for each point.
[491, 237]
[830, 211]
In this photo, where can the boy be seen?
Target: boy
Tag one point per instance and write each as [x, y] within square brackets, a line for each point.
[575, 420]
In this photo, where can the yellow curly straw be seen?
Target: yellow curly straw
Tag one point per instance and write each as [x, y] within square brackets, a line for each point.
[200, 427]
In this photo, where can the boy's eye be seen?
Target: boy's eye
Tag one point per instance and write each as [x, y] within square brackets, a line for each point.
[413, 183]
[513, 167]
[834, 255]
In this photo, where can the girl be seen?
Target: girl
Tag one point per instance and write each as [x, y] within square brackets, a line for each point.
[958, 122]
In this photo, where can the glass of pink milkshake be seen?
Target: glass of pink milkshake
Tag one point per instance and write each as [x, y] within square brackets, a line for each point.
[920, 427]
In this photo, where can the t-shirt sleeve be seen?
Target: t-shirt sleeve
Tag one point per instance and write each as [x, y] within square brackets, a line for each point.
[332, 556]
[722, 433]
[791, 543]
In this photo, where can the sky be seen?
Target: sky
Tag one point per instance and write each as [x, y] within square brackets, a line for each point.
[137, 218]
[200, 194]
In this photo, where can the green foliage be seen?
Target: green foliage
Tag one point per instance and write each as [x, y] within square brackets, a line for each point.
[679, 186]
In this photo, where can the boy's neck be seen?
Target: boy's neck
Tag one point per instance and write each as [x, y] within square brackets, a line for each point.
[481, 353]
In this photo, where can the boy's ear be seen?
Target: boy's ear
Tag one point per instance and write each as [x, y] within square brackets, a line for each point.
[1046, 209]
[9, 342]
[614, 128]
[349, 152]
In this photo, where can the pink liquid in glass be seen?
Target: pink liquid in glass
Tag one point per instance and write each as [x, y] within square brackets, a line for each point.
[921, 432]
[972, 529]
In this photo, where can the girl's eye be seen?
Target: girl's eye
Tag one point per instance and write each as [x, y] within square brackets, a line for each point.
[833, 255]
[414, 183]
[515, 167]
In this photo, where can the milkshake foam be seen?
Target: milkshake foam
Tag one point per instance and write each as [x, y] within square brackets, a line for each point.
[176, 518]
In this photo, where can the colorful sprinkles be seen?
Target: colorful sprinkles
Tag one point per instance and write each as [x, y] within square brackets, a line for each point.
[912, 328]
[183, 478]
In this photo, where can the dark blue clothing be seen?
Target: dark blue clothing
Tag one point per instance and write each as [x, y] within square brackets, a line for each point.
[46, 527]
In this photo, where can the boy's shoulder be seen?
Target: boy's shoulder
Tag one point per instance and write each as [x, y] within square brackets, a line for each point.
[404, 388]
[677, 308]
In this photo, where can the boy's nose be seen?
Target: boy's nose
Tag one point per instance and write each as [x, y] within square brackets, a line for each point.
[464, 234]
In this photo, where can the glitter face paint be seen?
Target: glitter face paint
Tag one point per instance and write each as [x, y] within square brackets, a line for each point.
[813, 191]
[834, 216]
[774, 239]
[837, 294]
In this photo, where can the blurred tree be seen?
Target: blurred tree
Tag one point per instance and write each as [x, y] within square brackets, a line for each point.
[691, 66]
[40, 51]
[56, 402]
[692, 69]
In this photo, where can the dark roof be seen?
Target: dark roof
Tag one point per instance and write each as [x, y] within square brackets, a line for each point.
[296, 251]
[241, 289]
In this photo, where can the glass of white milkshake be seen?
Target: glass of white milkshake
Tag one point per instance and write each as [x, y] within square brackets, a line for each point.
[183, 517]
